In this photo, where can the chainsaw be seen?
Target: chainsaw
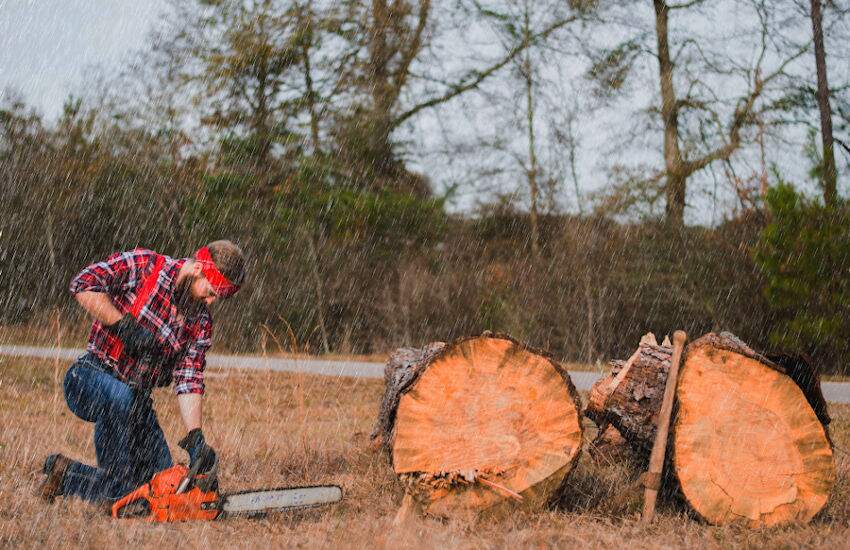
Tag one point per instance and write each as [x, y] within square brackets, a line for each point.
[181, 494]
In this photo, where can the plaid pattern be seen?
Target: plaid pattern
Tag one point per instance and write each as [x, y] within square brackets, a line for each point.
[121, 277]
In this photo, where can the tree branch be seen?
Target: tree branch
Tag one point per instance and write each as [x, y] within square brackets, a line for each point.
[684, 5]
[412, 51]
[473, 80]
[743, 112]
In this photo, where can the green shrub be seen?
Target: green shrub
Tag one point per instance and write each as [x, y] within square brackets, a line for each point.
[804, 253]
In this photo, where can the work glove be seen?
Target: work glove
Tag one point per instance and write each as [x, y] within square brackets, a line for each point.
[138, 341]
[198, 450]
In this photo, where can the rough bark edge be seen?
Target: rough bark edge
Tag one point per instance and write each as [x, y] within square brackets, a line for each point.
[403, 368]
[601, 391]
[802, 370]
[608, 415]
[663, 356]
[729, 342]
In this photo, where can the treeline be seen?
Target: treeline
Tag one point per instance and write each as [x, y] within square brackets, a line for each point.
[292, 128]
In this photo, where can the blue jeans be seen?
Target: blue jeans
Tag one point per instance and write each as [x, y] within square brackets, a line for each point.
[128, 440]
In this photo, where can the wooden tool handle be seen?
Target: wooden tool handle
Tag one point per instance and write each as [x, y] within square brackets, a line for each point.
[652, 479]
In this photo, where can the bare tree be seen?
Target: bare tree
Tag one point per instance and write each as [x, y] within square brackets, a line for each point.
[678, 166]
[829, 175]
[518, 111]
[700, 123]
[240, 63]
[527, 76]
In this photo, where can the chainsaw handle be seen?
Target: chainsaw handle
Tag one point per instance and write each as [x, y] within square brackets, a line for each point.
[196, 467]
[142, 493]
[184, 483]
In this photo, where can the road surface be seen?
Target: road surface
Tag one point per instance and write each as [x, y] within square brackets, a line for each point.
[834, 392]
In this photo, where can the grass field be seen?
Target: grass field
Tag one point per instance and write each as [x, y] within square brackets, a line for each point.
[274, 429]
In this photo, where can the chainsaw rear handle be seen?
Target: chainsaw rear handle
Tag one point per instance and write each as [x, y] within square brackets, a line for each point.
[125, 506]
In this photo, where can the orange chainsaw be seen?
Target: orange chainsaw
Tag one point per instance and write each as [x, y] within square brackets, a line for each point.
[181, 494]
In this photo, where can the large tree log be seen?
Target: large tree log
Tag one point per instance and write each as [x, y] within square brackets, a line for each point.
[478, 424]
[747, 447]
[749, 439]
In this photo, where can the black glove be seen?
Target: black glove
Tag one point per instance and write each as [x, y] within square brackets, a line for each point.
[138, 341]
[198, 450]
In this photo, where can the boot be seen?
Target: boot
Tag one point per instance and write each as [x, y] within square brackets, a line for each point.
[54, 469]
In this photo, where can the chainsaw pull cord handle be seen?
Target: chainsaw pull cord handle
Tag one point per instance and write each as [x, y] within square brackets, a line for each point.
[187, 481]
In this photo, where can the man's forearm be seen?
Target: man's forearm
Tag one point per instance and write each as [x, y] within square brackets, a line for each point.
[191, 410]
[99, 306]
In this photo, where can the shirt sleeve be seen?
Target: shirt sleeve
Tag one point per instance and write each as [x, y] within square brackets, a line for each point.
[189, 372]
[117, 273]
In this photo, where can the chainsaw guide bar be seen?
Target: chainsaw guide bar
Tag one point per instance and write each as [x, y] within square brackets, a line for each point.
[271, 500]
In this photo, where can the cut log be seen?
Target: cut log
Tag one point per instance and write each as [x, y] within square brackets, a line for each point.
[479, 425]
[747, 446]
[610, 446]
[630, 397]
[749, 440]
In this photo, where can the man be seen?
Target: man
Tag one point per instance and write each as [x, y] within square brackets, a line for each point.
[151, 325]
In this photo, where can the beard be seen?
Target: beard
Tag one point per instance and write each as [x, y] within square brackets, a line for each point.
[183, 300]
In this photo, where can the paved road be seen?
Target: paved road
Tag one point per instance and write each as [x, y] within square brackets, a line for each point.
[835, 392]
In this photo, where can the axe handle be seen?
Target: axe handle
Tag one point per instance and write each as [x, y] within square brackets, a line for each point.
[407, 507]
[652, 479]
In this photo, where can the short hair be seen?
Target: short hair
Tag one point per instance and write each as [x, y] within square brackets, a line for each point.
[229, 260]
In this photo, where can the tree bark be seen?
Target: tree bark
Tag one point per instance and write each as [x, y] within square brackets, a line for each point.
[677, 166]
[532, 152]
[478, 425]
[318, 285]
[829, 176]
[675, 179]
[403, 368]
[629, 398]
[306, 46]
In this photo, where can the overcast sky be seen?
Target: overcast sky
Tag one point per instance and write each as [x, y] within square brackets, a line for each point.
[46, 45]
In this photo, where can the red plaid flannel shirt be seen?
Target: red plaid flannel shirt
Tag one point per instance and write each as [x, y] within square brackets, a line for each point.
[121, 276]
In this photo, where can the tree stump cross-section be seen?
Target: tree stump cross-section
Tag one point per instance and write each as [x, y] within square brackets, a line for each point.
[747, 446]
[486, 423]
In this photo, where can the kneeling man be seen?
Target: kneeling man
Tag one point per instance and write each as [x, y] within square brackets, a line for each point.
[152, 327]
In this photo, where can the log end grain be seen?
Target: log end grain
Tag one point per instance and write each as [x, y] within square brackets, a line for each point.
[488, 419]
[747, 448]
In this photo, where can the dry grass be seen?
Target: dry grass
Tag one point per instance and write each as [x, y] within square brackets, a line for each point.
[276, 429]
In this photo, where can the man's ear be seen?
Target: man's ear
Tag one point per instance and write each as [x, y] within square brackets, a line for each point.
[196, 268]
